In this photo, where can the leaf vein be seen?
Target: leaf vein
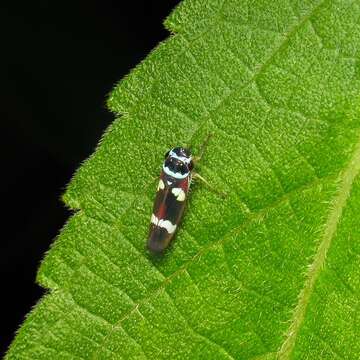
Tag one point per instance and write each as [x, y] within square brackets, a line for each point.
[345, 181]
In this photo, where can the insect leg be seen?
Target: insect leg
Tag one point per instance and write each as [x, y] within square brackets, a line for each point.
[196, 175]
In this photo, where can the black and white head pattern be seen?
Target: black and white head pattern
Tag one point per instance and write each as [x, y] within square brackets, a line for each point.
[178, 163]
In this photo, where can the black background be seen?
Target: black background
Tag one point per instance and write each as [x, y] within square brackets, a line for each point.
[58, 63]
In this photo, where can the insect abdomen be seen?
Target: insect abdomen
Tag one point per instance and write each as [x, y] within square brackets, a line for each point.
[167, 212]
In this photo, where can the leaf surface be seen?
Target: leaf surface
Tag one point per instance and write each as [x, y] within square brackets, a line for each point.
[273, 270]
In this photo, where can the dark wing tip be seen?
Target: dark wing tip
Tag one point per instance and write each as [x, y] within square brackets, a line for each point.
[156, 247]
[159, 240]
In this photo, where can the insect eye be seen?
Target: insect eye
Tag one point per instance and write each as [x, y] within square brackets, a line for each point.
[166, 155]
[183, 169]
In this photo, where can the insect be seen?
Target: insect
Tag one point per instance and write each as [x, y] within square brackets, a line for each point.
[171, 195]
[172, 191]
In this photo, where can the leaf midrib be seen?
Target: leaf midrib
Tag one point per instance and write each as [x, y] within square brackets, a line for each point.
[345, 181]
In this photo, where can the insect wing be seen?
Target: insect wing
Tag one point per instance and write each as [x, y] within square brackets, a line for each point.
[167, 212]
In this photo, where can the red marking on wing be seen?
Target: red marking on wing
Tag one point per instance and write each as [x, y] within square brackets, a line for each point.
[184, 184]
[161, 211]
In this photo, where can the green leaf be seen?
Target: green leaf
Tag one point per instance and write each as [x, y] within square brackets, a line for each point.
[272, 271]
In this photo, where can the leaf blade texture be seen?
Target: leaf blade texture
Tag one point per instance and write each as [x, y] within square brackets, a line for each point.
[270, 272]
